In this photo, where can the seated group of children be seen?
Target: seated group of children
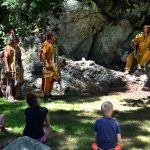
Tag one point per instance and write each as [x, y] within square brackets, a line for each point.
[107, 129]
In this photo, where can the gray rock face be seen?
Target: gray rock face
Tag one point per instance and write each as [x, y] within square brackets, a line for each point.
[78, 78]
[76, 28]
[147, 83]
[108, 43]
[37, 83]
[86, 77]
[135, 11]
[32, 66]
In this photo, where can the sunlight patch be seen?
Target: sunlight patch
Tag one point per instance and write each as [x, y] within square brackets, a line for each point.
[144, 139]
[17, 130]
[58, 129]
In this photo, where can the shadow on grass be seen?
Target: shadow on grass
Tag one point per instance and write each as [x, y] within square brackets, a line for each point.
[88, 98]
[74, 131]
[134, 124]
[71, 129]
[142, 102]
[76, 99]
[79, 128]
[15, 119]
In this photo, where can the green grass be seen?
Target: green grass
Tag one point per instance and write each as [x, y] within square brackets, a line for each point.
[73, 122]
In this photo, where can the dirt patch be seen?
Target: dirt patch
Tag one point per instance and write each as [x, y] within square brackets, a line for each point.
[134, 91]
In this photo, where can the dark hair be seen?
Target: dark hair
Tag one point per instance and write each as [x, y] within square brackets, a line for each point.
[32, 100]
[49, 34]
[13, 37]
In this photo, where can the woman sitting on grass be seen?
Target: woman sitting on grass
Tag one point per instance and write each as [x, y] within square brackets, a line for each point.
[107, 130]
[37, 119]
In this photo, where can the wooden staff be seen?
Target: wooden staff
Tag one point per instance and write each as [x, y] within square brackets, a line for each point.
[56, 62]
[44, 66]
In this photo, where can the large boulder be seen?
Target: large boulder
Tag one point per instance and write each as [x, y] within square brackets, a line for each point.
[137, 12]
[86, 77]
[76, 27]
[82, 77]
[107, 47]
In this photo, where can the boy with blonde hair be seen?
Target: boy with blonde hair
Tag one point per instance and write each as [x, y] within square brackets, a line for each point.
[107, 129]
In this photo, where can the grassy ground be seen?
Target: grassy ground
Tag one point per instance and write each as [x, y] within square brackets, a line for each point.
[73, 121]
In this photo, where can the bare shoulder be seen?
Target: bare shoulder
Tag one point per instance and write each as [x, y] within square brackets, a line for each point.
[7, 48]
[46, 43]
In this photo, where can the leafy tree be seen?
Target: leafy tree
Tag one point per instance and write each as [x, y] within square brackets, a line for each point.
[22, 14]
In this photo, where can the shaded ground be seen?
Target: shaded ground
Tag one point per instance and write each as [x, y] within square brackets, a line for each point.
[73, 119]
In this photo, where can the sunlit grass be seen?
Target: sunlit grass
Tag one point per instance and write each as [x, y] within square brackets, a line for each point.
[73, 121]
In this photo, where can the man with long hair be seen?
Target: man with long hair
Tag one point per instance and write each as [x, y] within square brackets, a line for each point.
[141, 46]
[13, 67]
[49, 58]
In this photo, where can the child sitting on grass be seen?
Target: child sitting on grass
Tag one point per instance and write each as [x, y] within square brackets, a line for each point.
[107, 129]
[37, 119]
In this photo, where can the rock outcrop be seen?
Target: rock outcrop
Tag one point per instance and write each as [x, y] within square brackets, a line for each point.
[108, 44]
[80, 78]
[85, 77]
[76, 28]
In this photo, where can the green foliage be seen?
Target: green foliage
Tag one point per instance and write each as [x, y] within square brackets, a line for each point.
[88, 3]
[22, 14]
[2, 39]
[11, 4]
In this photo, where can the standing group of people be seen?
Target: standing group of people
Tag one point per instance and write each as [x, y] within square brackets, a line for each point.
[11, 75]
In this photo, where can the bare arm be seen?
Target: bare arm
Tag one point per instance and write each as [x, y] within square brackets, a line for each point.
[47, 121]
[119, 138]
[47, 127]
[6, 54]
[44, 50]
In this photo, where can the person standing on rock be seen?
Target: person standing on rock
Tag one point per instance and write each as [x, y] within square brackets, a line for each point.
[13, 78]
[49, 58]
[141, 46]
